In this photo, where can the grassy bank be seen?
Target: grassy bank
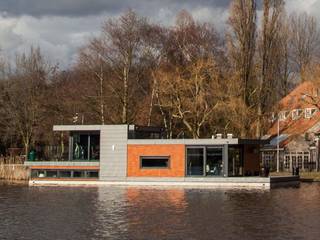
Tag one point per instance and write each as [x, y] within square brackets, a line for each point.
[310, 175]
[303, 175]
[12, 172]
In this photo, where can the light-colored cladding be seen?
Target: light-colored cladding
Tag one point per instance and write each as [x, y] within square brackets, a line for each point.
[113, 151]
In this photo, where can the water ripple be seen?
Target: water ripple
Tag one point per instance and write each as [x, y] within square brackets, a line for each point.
[158, 213]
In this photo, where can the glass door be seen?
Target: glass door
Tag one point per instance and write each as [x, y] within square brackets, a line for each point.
[214, 162]
[235, 161]
[195, 161]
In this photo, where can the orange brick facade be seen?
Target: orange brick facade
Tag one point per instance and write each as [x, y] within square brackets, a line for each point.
[176, 152]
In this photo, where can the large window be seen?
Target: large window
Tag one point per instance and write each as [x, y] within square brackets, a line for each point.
[204, 161]
[155, 162]
[85, 146]
[48, 173]
[235, 161]
[195, 161]
[214, 161]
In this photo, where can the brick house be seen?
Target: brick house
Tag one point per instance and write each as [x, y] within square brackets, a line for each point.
[299, 130]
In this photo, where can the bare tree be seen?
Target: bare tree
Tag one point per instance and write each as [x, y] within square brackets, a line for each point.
[192, 93]
[120, 47]
[242, 44]
[189, 40]
[23, 96]
[304, 41]
[283, 65]
[185, 45]
[92, 65]
[273, 11]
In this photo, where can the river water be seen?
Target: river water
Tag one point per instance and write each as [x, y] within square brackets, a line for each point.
[158, 213]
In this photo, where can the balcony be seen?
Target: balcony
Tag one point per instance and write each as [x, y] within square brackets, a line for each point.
[79, 147]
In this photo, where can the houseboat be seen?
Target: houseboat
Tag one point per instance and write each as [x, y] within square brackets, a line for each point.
[128, 154]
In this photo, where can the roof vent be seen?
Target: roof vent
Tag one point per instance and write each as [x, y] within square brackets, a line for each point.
[219, 136]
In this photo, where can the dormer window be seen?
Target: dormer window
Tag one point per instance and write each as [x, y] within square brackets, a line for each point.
[283, 115]
[296, 114]
[309, 112]
[272, 117]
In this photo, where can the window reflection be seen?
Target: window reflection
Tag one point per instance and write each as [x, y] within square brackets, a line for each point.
[214, 161]
[195, 159]
[80, 147]
[86, 146]
[235, 161]
[94, 147]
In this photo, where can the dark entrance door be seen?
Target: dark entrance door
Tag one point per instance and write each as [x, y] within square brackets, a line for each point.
[195, 161]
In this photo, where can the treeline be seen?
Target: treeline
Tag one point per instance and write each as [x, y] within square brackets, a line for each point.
[188, 78]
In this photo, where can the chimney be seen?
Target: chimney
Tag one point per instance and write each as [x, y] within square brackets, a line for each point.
[229, 135]
[219, 136]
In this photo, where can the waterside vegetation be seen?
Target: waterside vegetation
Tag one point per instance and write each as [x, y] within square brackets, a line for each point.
[14, 172]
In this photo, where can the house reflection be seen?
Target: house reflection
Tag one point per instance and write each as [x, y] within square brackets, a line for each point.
[174, 198]
[155, 209]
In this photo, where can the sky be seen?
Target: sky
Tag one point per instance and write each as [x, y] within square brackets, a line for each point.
[61, 27]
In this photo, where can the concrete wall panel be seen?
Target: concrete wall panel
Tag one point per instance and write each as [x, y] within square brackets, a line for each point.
[113, 151]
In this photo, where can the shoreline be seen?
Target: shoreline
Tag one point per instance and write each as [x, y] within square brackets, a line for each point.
[4, 182]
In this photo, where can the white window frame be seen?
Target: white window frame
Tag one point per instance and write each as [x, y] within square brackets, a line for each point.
[295, 114]
[309, 112]
[283, 115]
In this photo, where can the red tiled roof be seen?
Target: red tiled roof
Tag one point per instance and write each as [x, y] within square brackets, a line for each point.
[296, 100]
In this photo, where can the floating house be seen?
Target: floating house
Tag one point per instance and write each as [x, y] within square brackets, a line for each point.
[117, 154]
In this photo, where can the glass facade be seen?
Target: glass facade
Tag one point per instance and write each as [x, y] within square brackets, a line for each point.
[214, 161]
[204, 161]
[85, 146]
[195, 161]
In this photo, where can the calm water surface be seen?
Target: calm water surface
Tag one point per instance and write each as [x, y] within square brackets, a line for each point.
[158, 213]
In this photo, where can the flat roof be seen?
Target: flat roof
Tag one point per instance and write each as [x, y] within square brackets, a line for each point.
[253, 141]
[201, 141]
[84, 127]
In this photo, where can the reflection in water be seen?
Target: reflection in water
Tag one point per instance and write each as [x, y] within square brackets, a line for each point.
[158, 213]
[155, 212]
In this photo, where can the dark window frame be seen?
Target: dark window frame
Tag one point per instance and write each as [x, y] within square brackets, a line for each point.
[204, 148]
[155, 157]
[88, 135]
